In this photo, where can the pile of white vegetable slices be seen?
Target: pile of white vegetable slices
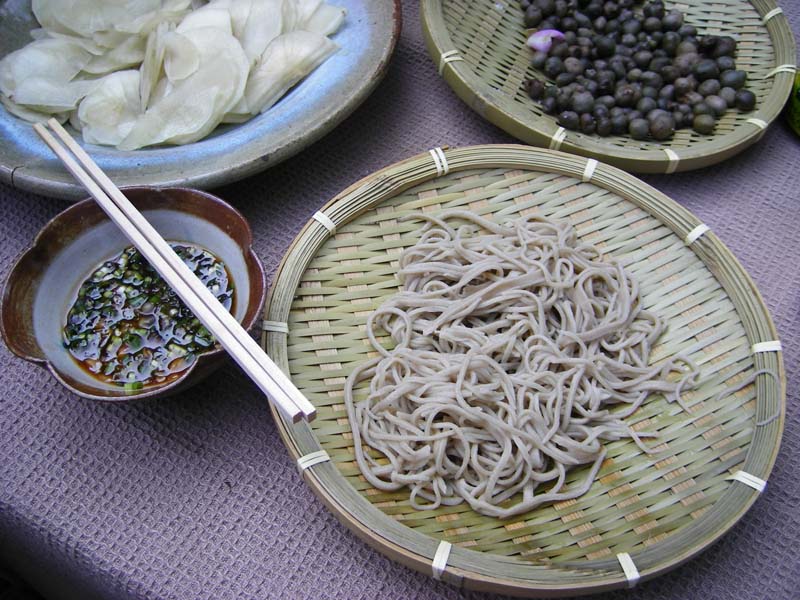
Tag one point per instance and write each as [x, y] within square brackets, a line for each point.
[134, 73]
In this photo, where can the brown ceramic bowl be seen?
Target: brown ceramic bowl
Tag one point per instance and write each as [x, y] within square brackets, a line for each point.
[45, 280]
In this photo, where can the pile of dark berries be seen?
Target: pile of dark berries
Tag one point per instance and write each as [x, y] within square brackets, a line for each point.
[624, 70]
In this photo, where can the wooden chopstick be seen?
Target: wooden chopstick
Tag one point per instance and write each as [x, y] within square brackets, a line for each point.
[266, 374]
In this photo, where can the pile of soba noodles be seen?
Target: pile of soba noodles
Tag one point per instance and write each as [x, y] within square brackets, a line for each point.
[517, 352]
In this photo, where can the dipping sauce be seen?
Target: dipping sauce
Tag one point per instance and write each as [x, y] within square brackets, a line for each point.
[128, 327]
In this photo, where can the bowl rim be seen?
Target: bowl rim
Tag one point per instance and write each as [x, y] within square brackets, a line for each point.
[251, 260]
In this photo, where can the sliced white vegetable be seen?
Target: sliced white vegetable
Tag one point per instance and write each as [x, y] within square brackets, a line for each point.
[88, 17]
[87, 44]
[264, 24]
[109, 39]
[39, 33]
[176, 5]
[46, 95]
[236, 117]
[163, 88]
[305, 10]
[326, 20]
[208, 16]
[290, 14]
[199, 63]
[75, 121]
[150, 70]
[287, 60]
[171, 11]
[181, 56]
[56, 60]
[239, 11]
[85, 17]
[240, 112]
[208, 125]
[128, 54]
[109, 111]
[194, 106]
[216, 46]
[34, 116]
[186, 113]
[46, 12]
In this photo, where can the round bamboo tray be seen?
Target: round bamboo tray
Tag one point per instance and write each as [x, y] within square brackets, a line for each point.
[661, 509]
[479, 48]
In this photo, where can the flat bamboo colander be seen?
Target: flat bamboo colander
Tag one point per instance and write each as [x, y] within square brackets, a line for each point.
[659, 509]
[479, 47]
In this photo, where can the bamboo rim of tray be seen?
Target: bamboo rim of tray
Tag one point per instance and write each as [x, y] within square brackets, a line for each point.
[479, 48]
[426, 183]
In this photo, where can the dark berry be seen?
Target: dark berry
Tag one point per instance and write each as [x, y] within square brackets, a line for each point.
[704, 124]
[745, 100]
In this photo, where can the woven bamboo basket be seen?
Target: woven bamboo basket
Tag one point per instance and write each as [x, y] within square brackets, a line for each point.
[660, 509]
[479, 47]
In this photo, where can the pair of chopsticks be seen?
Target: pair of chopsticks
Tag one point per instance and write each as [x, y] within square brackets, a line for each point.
[225, 328]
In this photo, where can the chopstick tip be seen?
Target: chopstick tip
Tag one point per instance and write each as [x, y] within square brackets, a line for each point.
[302, 415]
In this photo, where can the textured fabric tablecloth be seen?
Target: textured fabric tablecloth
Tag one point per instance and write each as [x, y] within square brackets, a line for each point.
[187, 497]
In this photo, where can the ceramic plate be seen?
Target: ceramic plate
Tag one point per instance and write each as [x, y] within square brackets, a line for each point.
[305, 114]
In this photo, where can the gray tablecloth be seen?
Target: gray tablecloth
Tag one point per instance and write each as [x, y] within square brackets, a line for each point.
[196, 497]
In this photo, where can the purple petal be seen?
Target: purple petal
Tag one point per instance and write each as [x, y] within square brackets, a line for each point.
[542, 40]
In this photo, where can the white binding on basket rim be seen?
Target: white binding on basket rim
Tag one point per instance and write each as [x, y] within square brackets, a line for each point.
[275, 326]
[440, 160]
[629, 568]
[448, 57]
[674, 159]
[773, 13]
[787, 68]
[311, 459]
[746, 478]
[558, 138]
[588, 170]
[760, 123]
[770, 346]
[325, 221]
[440, 559]
[695, 233]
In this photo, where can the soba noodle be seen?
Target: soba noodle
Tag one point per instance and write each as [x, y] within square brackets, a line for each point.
[517, 352]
